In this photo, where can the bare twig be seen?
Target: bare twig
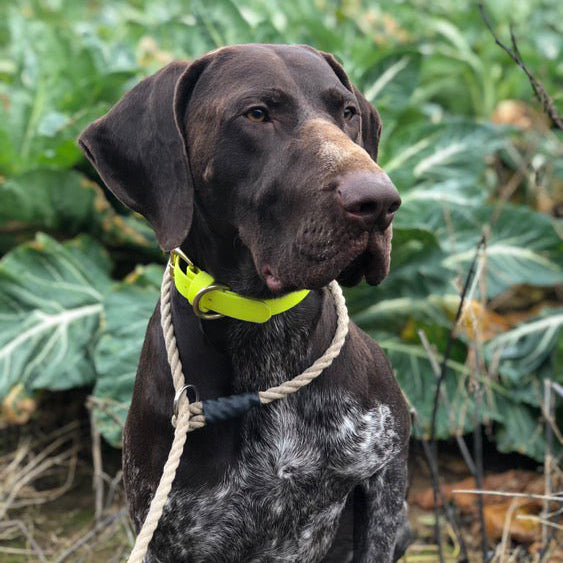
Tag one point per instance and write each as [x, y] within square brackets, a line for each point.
[480, 470]
[35, 548]
[451, 338]
[538, 88]
[97, 478]
[113, 487]
[29, 467]
[506, 530]
[436, 368]
[105, 405]
[433, 450]
[477, 383]
[542, 521]
[440, 498]
[558, 497]
[548, 405]
[557, 388]
[98, 528]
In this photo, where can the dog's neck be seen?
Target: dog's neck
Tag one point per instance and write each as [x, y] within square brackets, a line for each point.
[263, 355]
[216, 248]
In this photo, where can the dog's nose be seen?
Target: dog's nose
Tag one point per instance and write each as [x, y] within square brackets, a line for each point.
[368, 199]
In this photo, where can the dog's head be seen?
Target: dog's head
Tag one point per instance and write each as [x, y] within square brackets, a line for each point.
[260, 161]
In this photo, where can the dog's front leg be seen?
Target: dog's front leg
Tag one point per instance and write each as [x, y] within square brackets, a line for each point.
[380, 525]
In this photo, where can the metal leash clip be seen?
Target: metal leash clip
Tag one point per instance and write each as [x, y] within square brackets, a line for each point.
[181, 254]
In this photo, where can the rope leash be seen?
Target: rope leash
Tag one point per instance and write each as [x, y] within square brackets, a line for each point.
[190, 416]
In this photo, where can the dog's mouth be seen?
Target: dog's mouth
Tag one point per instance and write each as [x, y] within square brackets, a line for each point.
[372, 264]
[353, 274]
[367, 257]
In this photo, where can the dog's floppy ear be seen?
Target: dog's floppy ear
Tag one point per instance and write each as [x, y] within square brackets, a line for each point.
[371, 122]
[371, 125]
[139, 150]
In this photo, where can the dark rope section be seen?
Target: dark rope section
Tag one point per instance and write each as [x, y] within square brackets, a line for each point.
[226, 408]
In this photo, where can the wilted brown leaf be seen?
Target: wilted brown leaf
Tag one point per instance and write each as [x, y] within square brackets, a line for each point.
[17, 407]
[524, 530]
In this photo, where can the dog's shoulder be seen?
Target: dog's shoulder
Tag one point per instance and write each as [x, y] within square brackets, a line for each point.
[368, 373]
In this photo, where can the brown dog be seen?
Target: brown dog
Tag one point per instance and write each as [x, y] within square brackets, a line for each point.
[259, 162]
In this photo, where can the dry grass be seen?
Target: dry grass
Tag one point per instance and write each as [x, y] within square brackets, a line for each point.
[47, 507]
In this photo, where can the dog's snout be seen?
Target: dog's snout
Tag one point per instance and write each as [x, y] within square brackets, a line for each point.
[368, 199]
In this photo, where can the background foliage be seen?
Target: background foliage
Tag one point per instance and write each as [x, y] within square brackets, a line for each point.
[468, 148]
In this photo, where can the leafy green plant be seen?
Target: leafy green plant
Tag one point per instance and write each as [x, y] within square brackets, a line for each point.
[74, 294]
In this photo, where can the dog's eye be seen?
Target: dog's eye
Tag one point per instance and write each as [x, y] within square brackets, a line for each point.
[257, 115]
[349, 112]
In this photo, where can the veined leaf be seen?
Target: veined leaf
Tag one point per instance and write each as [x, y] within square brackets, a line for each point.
[520, 352]
[523, 249]
[392, 315]
[44, 200]
[453, 152]
[416, 271]
[59, 88]
[50, 313]
[128, 307]
[418, 381]
[520, 430]
[391, 81]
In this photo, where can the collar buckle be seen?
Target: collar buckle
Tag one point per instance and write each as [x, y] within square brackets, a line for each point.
[196, 305]
[211, 300]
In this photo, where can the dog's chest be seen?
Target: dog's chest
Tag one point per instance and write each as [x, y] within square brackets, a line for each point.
[282, 498]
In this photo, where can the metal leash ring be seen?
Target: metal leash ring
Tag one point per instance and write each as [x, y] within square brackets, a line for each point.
[178, 396]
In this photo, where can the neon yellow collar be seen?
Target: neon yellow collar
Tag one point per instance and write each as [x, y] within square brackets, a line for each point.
[212, 301]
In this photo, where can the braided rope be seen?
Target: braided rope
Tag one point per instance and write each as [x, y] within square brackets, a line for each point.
[320, 364]
[190, 415]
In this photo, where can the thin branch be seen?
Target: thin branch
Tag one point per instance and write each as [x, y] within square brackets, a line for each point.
[458, 436]
[35, 548]
[451, 338]
[433, 445]
[538, 88]
[97, 478]
[542, 521]
[99, 527]
[553, 498]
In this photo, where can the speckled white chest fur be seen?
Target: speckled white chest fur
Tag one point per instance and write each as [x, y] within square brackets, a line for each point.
[282, 498]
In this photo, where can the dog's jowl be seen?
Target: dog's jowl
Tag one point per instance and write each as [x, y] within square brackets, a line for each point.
[259, 163]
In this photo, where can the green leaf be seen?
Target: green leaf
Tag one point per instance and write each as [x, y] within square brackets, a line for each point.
[522, 351]
[50, 313]
[65, 202]
[523, 248]
[417, 267]
[128, 308]
[418, 381]
[59, 87]
[44, 200]
[521, 429]
[450, 154]
[392, 315]
[392, 81]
